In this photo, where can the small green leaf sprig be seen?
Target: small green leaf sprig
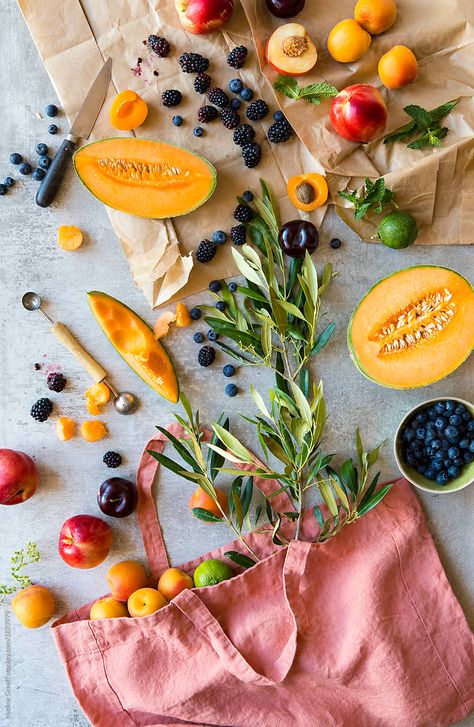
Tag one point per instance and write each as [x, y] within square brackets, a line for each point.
[425, 124]
[19, 560]
[314, 93]
[372, 197]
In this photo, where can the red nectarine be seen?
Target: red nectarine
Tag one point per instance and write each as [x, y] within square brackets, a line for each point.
[358, 113]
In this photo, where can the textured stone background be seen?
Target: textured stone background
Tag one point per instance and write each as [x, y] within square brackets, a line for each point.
[33, 687]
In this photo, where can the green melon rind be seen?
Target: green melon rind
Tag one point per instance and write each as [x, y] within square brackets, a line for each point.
[98, 293]
[352, 353]
[212, 169]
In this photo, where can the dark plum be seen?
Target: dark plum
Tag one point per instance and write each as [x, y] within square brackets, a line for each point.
[285, 8]
[298, 236]
[117, 497]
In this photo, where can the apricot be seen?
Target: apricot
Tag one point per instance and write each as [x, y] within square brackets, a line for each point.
[92, 430]
[33, 606]
[183, 318]
[307, 192]
[128, 111]
[126, 577]
[201, 499]
[145, 601]
[65, 428]
[347, 41]
[97, 395]
[173, 581]
[70, 237]
[108, 608]
[398, 67]
[376, 16]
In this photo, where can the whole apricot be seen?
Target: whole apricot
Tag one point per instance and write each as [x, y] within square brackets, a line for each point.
[376, 16]
[173, 581]
[145, 601]
[33, 606]
[347, 41]
[201, 499]
[108, 608]
[126, 577]
[398, 67]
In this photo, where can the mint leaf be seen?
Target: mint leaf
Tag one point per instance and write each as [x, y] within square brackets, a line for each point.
[314, 93]
[372, 196]
[420, 116]
[426, 122]
[444, 110]
[287, 86]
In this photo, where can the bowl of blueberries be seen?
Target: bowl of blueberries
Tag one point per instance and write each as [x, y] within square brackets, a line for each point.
[434, 445]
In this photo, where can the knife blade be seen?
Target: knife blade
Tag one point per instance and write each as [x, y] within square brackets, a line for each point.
[81, 128]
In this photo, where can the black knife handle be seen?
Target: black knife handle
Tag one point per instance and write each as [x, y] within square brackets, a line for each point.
[50, 184]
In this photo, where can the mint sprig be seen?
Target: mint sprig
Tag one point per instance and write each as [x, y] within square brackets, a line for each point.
[314, 93]
[372, 196]
[426, 124]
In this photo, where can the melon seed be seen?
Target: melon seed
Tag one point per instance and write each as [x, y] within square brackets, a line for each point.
[143, 173]
[305, 193]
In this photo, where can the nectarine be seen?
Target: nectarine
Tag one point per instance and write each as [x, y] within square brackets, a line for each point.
[358, 113]
[18, 477]
[145, 601]
[33, 606]
[201, 499]
[376, 16]
[290, 50]
[126, 577]
[173, 581]
[108, 608]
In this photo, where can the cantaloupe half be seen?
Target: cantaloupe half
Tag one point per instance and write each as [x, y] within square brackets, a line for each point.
[133, 339]
[145, 178]
[413, 327]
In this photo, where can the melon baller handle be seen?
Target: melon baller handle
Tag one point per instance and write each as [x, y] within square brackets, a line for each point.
[64, 336]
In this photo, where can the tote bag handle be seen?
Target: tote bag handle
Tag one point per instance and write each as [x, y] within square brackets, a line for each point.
[146, 509]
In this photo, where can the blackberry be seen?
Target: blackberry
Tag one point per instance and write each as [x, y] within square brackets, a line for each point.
[257, 110]
[193, 63]
[230, 118]
[38, 175]
[235, 104]
[244, 134]
[56, 382]
[198, 337]
[206, 355]
[160, 46]
[248, 196]
[195, 314]
[41, 149]
[215, 286]
[202, 82]
[279, 131]
[251, 154]
[236, 85]
[206, 114]
[238, 234]
[41, 410]
[237, 56]
[51, 110]
[206, 251]
[218, 97]
[219, 237]
[171, 97]
[112, 459]
[242, 213]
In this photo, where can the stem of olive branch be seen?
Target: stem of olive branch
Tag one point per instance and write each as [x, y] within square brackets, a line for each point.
[239, 535]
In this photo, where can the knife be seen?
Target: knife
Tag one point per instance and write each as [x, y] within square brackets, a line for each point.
[81, 128]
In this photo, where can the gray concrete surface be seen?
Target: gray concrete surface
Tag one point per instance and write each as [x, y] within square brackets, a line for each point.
[33, 687]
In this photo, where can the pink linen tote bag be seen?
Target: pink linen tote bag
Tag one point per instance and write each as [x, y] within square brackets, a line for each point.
[362, 631]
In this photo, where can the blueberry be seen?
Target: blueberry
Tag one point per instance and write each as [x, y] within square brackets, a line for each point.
[470, 426]
[44, 162]
[432, 413]
[38, 175]
[440, 423]
[248, 195]
[177, 120]
[246, 94]
[198, 337]
[445, 444]
[410, 459]
[221, 306]
[460, 409]
[16, 158]
[335, 243]
[3, 189]
[231, 390]
[236, 85]
[420, 468]
[219, 237]
[471, 446]
[447, 462]
[420, 433]
[453, 472]
[421, 418]
[453, 452]
[198, 131]
[212, 335]
[235, 104]
[439, 454]
[452, 434]
[430, 435]
[228, 370]
[8, 181]
[468, 457]
[215, 286]
[466, 416]
[41, 149]
[439, 407]
[232, 287]
[279, 116]
[435, 443]
[430, 474]
[450, 406]
[51, 110]
[52, 129]
[195, 314]
[455, 420]
[437, 465]
[442, 478]
[464, 443]
[408, 435]
[24, 168]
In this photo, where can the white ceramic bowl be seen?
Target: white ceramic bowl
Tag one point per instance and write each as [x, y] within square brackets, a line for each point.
[466, 476]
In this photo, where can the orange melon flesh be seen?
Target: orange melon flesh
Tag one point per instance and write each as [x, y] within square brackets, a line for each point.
[133, 339]
[430, 352]
[145, 178]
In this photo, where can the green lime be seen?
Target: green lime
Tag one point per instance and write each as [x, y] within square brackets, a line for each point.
[210, 572]
[398, 230]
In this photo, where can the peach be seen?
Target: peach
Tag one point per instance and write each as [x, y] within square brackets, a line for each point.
[358, 113]
[33, 606]
[347, 41]
[398, 67]
[173, 581]
[125, 578]
[145, 601]
[376, 16]
[290, 50]
[201, 499]
[203, 16]
[18, 477]
[108, 608]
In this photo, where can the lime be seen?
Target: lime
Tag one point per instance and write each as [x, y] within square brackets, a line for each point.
[210, 572]
[398, 230]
